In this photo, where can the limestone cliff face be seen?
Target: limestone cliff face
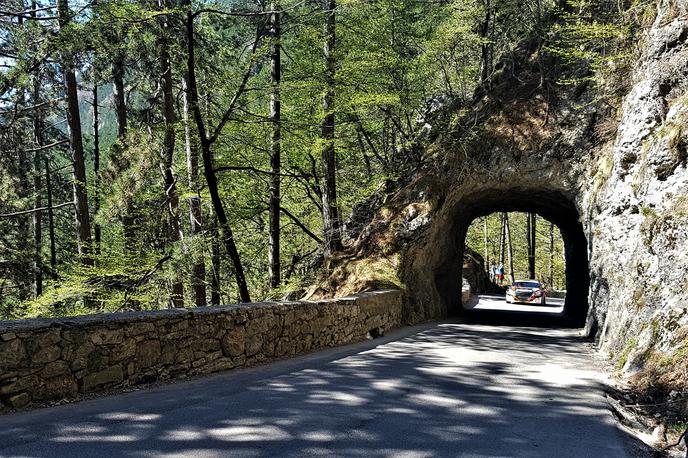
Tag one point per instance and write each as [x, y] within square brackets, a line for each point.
[637, 207]
[614, 181]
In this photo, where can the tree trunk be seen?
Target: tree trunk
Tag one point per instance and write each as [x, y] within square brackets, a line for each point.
[195, 210]
[37, 186]
[487, 249]
[331, 221]
[121, 118]
[529, 243]
[167, 156]
[51, 221]
[208, 167]
[551, 255]
[96, 166]
[510, 248]
[275, 148]
[530, 229]
[37, 170]
[216, 263]
[486, 47]
[118, 95]
[83, 222]
[502, 237]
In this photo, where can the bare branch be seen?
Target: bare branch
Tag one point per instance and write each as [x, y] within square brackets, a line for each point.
[27, 15]
[245, 13]
[240, 91]
[34, 210]
[44, 147]
[301, 225]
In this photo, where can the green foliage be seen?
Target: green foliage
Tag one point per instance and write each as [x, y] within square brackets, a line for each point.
[623, 357]
[595, 39]
[116, 283]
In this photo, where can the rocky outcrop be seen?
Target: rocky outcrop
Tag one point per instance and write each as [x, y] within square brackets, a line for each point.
[475, 274]
[54, 359]
[615, 181]
[637, 211]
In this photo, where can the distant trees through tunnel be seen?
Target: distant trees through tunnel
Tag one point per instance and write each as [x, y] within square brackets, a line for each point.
[521, 246]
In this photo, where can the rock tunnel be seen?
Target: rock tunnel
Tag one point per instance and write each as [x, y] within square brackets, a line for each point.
[552, 205]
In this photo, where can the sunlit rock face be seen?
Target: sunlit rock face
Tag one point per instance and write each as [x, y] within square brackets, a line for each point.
[638, 207]
[614, 180]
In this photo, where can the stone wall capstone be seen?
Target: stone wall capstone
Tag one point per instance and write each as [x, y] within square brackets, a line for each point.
[44, 360]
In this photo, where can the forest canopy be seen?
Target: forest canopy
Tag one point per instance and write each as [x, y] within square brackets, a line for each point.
[184, 153]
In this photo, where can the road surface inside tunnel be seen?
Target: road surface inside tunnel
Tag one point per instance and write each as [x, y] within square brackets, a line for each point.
[494, 303]
[442, 389]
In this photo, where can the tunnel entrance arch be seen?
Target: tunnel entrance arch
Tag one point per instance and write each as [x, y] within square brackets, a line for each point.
[552, 205]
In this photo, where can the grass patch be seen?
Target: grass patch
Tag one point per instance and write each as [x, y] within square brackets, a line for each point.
[677, 428]
[623, 357]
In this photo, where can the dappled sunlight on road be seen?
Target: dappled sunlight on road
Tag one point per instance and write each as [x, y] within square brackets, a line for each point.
[449, 390]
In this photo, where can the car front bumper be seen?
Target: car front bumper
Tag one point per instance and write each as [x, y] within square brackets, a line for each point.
[532, 300]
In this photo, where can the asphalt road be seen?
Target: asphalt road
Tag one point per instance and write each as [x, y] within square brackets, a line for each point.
[492, 302]
[445, 389]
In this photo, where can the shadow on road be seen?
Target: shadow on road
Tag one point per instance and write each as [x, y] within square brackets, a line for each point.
[493, 310]
[517, 319]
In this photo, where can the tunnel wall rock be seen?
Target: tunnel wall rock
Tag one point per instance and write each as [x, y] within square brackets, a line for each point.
[47, 360]
[635, 203]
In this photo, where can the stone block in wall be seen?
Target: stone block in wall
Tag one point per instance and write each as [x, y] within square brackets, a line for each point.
[253, 344]
[55, 369]
[147, 353]
[60, 387]
[79, 358]
[169, 353]
[7, 336]
[19, 400]
[206, 345]
[107, 336]
[19, 384]
[111, 375]
[12, 354]
[136, 329]
[184, 356]
[234, 342]
[220, 364]
[124, 350]
[45, 355]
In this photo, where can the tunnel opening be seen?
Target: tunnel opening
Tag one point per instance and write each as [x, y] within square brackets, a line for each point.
[514, 262]
[552, 206]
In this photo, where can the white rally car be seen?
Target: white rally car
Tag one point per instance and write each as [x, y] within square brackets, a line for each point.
[526, 292]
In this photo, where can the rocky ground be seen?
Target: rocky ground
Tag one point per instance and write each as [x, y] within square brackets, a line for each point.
[659, 421]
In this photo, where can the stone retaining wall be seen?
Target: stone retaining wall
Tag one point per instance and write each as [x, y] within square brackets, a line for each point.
[53, 359]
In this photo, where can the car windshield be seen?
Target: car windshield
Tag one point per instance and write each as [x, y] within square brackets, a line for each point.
[527, 284]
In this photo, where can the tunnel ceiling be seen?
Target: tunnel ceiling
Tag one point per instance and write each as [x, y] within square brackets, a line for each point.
[551, 205]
